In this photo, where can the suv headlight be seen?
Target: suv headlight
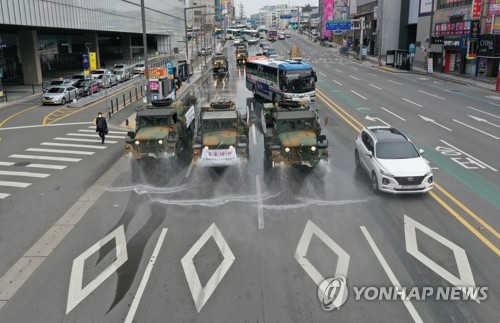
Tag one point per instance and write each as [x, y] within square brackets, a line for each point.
[386, 173]
[428, 173]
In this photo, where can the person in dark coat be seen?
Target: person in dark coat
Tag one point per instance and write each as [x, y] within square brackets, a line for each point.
[101, 126]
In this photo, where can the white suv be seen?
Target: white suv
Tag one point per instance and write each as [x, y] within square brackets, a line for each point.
[392, 161]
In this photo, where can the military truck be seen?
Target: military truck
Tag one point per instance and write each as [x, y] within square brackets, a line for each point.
[221, 136]
[161, 132]
[293, 135]
[241, 54]
[295, 54]
[220, 65]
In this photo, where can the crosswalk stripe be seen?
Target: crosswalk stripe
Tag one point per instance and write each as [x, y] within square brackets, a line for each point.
[58, 151]
[72, 145]
[95, 136]
[3, 195]
[14, 184]
[6, 163]
[46, 158]
[85, 140]
[25, 174]
[110, 131]
[46, 166]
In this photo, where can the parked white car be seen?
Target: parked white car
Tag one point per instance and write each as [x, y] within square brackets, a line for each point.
[392, 161]
[59, 95]
[139, 68]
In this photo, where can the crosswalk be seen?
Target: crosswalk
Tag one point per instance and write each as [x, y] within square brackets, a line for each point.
[37, 163]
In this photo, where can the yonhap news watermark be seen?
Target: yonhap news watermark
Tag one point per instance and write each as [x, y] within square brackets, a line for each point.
[333, 293]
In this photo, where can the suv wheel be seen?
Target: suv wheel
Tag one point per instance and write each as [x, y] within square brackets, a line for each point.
[374, 182]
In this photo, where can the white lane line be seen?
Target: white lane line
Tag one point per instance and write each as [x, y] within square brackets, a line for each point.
[190, 168]
[254, 136]
[490, 114]
[260, 210]
[337, 82]
[3, 195]
[339, 71]
[113, 132]
[6, 163]
[430, 94]
[327, 65]
[321, 73]
[354, 77]
[395, 82]
[24, 174]
[145, 278]
[358, 94]
[418, 105]
[42, 126]
[409, 305]
[469, 155]
[479, 130]
[86, 140]
[378, 88]
[46, 166]
[372, 74]
[14, 184]
[94, 136]
[354, 68]
[46, 158]
[392, 113]
[58, 151]
[72, 145]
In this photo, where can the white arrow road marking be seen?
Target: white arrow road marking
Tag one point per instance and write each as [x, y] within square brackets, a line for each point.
[337, 82]
[429, 94]
[418, 105]
[465, 277]
[77, 292]
[408, 304]
[376, 120]
[392, 113]
[469, 155]
[145, 278]
[490, 114]
[202, 294]
[301, 253]
[483, 120]
[359, 95]
[481, 131]
[378, 88]
[434, 122]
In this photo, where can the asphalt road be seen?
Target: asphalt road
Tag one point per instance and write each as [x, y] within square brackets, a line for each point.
[174, 243]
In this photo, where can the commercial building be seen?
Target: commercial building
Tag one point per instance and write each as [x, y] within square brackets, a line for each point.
[40, 35]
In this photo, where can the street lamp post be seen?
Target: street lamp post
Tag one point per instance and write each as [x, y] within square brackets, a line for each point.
[188, 60]
[145, 45]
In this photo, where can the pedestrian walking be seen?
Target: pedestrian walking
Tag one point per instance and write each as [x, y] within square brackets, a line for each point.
[101, 126]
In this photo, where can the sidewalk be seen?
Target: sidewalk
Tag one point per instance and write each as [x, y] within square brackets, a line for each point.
[487, 83]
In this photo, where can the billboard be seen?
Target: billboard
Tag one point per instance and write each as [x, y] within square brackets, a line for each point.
[327, 15]
[425, 7]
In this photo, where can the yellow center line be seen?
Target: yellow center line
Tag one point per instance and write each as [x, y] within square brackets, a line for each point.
[84, 108]
[18, 113]
[350, 116]
[465, 223]
[488, 243]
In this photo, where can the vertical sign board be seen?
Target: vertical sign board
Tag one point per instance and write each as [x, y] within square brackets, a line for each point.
[425, 7]
[93, 61]
[430, 65]
[327, 15]
[476, 9]
[498, 80]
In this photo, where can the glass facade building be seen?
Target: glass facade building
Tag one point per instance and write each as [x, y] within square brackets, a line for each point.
[64, 26]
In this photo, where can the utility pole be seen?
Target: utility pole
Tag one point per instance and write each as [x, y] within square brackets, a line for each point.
[145, 44]
[430, 27]
[361, 29]
[188, 59]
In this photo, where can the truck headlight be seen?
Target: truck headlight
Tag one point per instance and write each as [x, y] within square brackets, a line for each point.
[206, 147]
[137, 142]
[287, 149]
[313, 148]
[231, 147]
[160, 142]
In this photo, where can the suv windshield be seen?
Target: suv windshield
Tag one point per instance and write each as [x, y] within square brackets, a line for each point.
[396, 150]
[299, 81]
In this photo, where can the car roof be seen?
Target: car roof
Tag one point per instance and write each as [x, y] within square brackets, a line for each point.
[387, 134]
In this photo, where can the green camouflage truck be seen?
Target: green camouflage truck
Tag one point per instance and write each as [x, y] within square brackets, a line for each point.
[220, 65]
[241, 54]
[161, 132]
[221, 137]
[293, 135]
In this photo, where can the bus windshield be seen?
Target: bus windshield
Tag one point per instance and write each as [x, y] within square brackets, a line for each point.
[299, 81]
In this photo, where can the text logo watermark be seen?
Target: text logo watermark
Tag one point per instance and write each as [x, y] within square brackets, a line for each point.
[332, 293]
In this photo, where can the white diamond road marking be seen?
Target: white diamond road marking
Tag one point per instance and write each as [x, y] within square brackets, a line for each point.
[75, 160]
[77, 292]
[72, 145]
[85, 140]
[25, 174]
[14, 184]
[301, 253]
[58, 151]
[94, 136]
[202, 294]
[465, 279]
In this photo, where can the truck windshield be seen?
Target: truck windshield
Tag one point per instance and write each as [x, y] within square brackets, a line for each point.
[299, 81]
[219, 124]
[293, 125]
[152, 121]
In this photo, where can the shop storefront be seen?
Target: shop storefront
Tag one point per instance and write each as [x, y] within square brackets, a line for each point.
[488, 53]
[455, 53]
